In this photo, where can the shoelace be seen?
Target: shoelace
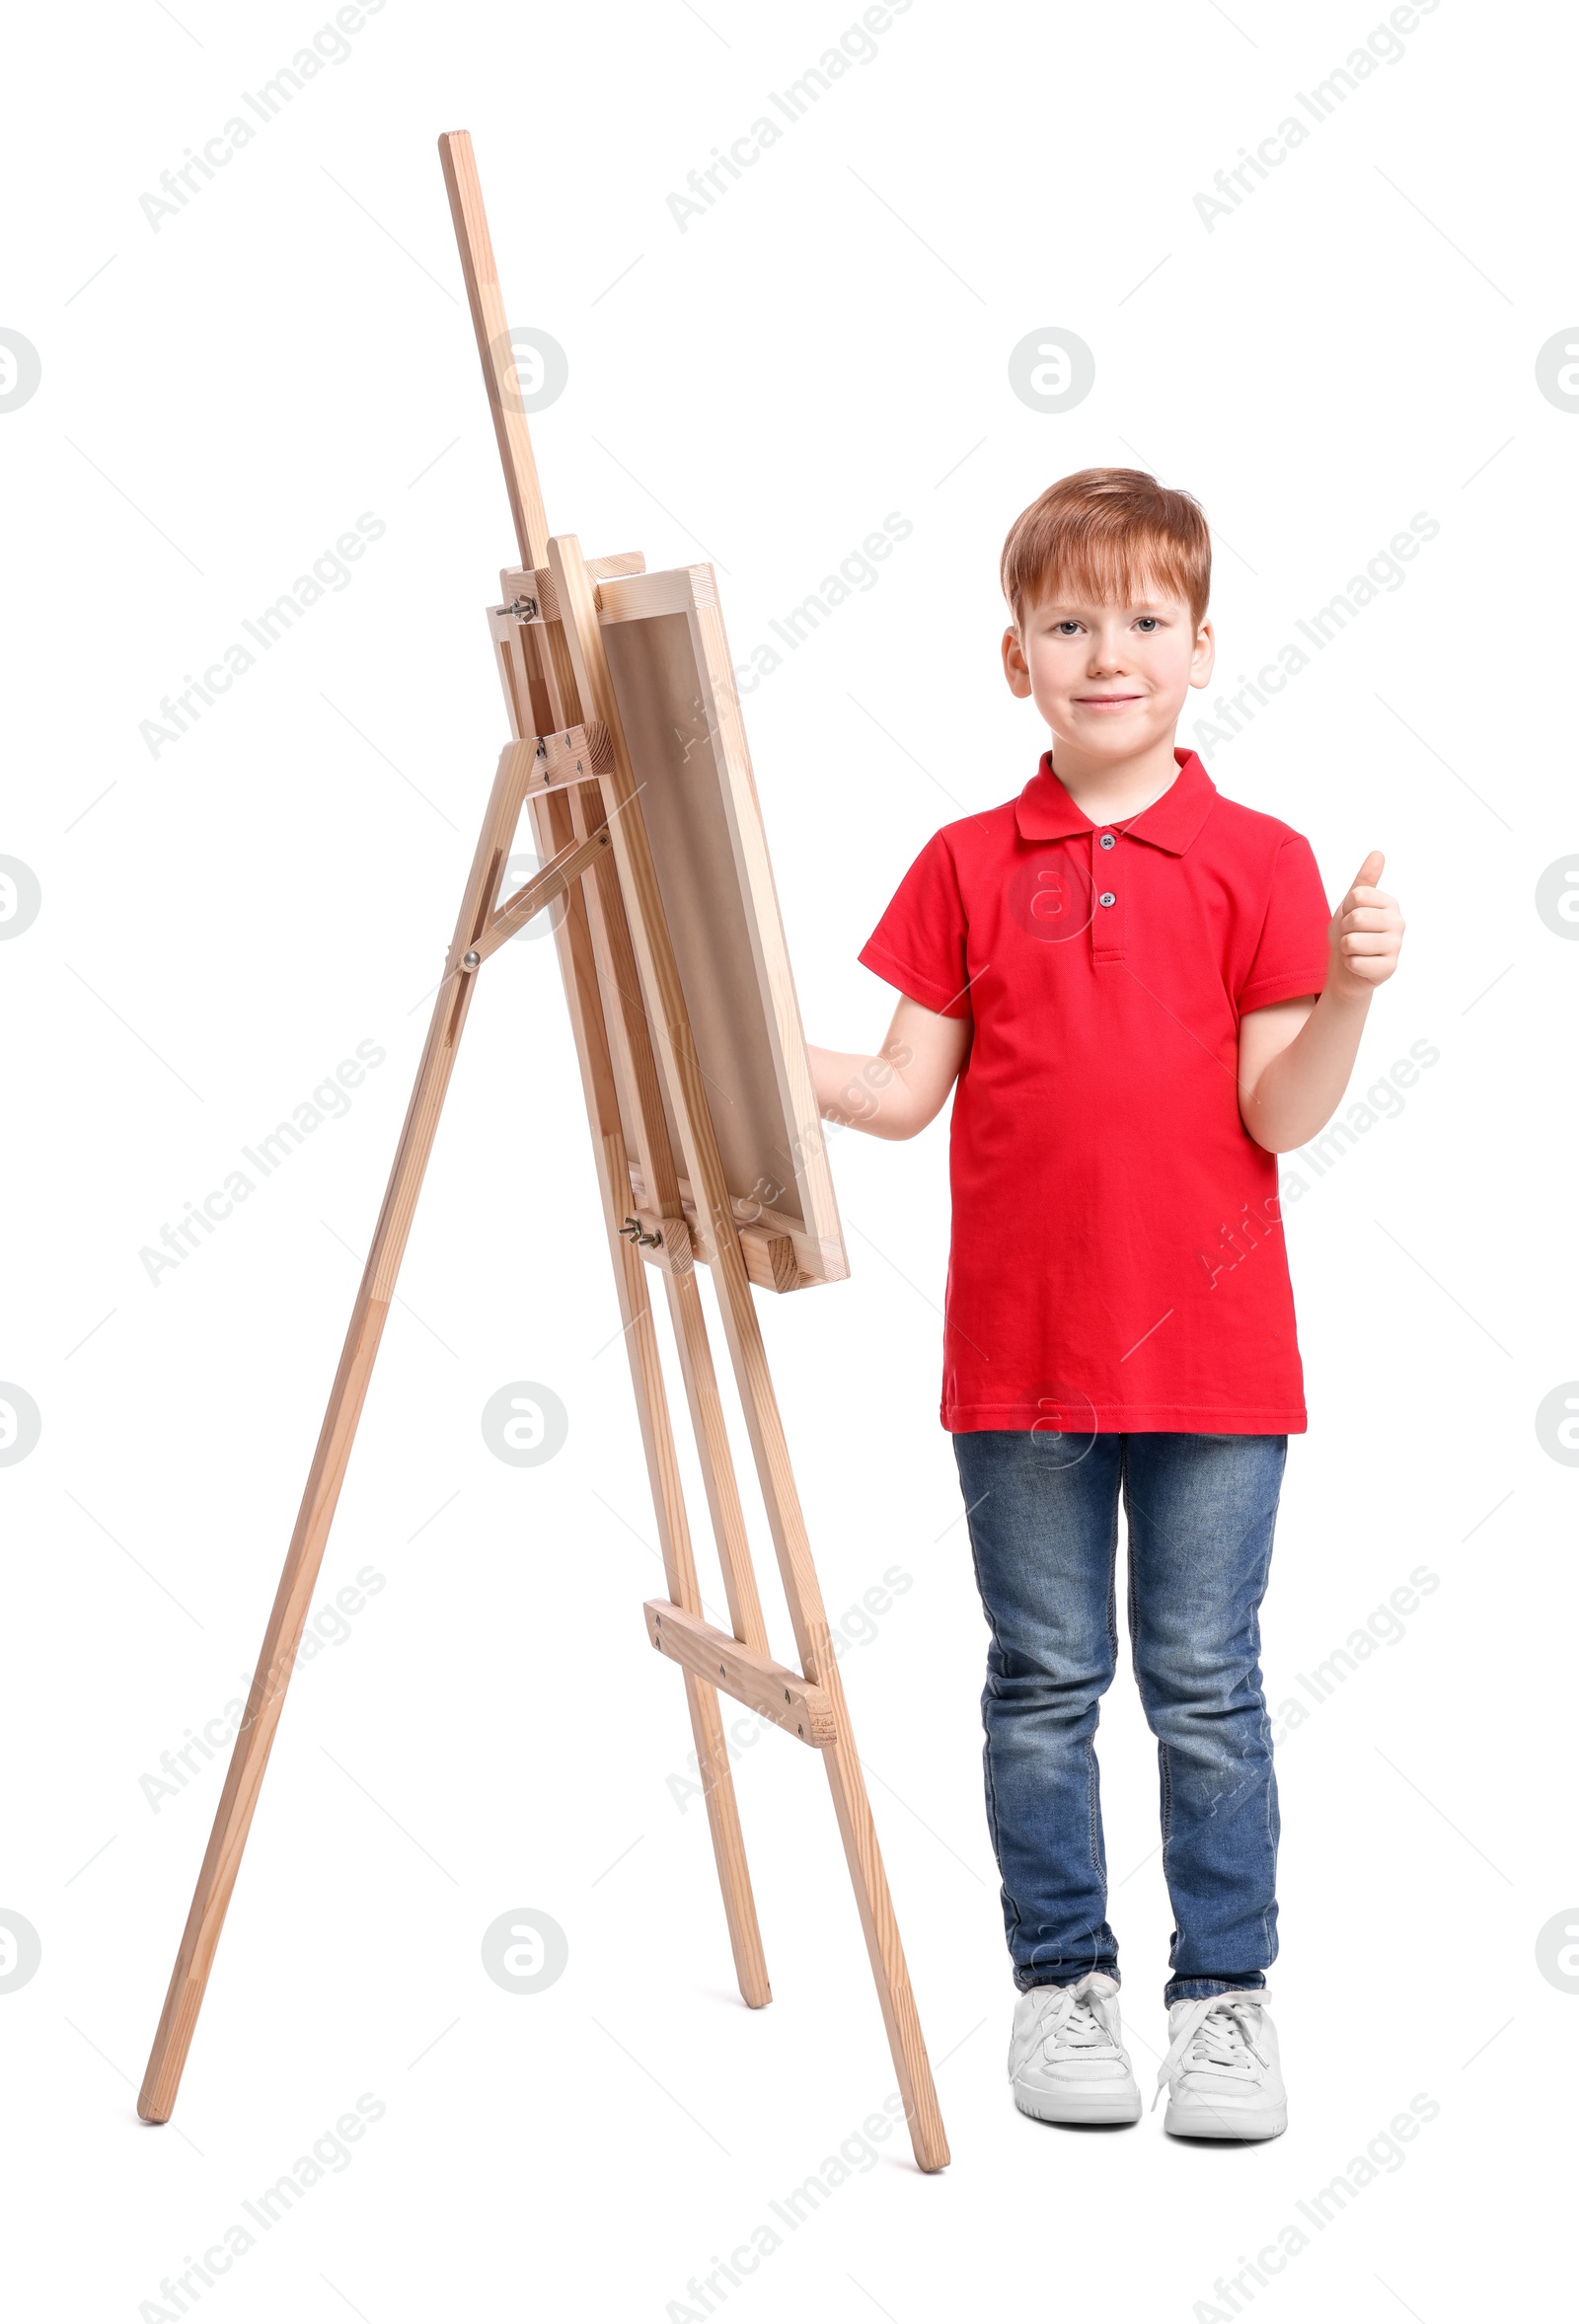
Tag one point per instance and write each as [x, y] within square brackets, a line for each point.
[1074, 2021]
[1216, 2034]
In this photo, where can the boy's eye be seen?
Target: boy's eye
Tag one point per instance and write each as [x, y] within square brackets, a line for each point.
[1066, 629]
[1146, 621]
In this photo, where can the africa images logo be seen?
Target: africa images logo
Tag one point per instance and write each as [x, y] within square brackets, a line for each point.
[1051, 896]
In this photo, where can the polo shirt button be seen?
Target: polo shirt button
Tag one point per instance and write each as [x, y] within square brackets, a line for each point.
[1106, 840]
[1107, 897]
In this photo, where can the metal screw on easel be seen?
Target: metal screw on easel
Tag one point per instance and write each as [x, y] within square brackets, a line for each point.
[470, 959]
[633, 1228]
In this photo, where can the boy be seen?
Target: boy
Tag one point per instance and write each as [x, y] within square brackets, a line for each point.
[1145, 1000]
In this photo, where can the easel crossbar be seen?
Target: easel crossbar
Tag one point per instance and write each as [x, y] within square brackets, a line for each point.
[766, 1686]
[540, 890]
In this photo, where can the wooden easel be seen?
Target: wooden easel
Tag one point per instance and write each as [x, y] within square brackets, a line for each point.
[572, 761]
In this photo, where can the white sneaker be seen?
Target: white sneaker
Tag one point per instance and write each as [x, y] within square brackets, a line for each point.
[1066, 2060]
[1222, 2073]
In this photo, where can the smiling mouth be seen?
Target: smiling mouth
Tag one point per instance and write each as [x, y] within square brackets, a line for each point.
[1105, 702]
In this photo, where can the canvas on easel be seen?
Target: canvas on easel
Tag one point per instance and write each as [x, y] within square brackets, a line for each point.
[629, 755]
[668, 660]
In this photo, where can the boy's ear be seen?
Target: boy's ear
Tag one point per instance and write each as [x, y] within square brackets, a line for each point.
[1204, 659]
[1015, 669]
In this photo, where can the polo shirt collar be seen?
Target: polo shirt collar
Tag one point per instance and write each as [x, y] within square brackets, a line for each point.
[1045, 811]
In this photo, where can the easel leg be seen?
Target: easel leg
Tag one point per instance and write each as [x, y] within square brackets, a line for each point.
[277, 1656]
[702, 1700]
[578, 961]
[717, 1461]
[804, 1592]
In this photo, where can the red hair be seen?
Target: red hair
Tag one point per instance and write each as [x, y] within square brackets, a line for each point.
[1107, 532]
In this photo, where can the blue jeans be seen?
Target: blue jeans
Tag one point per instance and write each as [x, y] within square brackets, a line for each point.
[1043, 1517]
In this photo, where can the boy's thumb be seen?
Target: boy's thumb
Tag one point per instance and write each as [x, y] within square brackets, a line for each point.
[1371, 869]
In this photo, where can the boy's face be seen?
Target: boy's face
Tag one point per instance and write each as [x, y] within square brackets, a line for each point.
[1110, 680]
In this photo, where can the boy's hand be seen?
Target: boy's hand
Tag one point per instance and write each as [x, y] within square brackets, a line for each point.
[1365, 934]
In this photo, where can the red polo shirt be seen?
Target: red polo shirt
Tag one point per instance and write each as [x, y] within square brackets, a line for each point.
[1117, 1258]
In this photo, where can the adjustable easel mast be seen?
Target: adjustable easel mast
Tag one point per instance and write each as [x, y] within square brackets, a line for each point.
[570, 762]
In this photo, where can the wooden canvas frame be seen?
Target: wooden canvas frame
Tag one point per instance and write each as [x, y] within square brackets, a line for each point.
[673, 679]
[590, 655]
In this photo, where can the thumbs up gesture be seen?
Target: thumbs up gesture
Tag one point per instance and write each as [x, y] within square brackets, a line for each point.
[1366, 935]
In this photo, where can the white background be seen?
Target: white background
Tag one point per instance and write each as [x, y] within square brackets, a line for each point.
[829, 342]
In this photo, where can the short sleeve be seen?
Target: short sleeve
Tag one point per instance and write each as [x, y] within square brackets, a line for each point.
[919, 944]
[1290, 953]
